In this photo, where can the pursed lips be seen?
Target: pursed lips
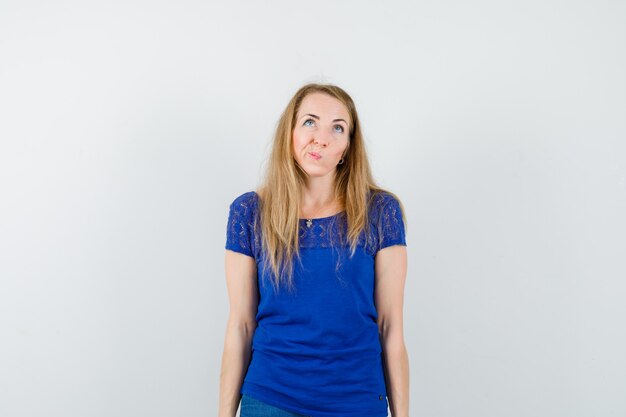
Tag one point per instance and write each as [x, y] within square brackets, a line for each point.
[315, 155]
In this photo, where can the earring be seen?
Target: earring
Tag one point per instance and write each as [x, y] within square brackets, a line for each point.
[340, 161]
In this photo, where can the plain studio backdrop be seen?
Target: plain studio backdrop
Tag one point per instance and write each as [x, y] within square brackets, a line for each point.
[127, 128]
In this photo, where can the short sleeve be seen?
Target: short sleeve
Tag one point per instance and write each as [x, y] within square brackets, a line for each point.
[391, 230]
[240, 227]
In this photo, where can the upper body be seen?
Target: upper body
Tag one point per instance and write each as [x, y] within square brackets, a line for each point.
[318, 343]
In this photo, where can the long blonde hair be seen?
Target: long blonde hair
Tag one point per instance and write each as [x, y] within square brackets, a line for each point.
[280, 189]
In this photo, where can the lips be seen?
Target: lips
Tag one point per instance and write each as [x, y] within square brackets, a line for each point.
[315, 155]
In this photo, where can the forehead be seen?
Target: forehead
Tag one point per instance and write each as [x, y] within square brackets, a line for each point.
[323, 105]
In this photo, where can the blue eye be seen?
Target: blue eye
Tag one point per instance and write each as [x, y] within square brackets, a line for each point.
[340, 127]
[307, 121]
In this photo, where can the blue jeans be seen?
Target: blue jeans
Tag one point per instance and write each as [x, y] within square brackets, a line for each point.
[251, 407]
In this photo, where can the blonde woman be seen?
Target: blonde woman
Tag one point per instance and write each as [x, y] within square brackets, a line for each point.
[315, 268]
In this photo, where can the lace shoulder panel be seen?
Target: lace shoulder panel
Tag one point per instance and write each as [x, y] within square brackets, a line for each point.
[390, 225]
[240, 229]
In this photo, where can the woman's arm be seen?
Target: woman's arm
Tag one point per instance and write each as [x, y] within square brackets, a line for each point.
[390, 271]
[241, 280]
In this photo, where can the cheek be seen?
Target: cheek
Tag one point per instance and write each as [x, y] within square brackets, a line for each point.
[343, 146]
[298, 140]
[296, 146]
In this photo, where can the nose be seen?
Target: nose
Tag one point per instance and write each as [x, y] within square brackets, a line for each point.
[321, 139]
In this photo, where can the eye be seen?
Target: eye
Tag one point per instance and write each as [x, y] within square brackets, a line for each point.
[340, 128]
[307, 121]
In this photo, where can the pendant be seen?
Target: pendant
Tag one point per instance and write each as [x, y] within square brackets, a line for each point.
[309, 222]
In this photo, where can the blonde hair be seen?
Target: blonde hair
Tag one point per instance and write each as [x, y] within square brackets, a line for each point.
[280, 189]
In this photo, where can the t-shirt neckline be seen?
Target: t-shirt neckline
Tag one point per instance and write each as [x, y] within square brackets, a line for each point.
[323, 218]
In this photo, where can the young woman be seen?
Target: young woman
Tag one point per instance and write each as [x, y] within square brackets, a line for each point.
[315, 268]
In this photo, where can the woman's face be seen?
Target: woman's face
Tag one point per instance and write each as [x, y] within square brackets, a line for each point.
[320, 134]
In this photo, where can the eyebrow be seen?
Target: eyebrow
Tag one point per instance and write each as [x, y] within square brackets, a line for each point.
[317, 117]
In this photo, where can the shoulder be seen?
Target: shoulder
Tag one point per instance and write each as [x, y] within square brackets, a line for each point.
[388, 220]
[247, 201]
[247, 198]
[241, 233]
[245, 206]
[384, 201]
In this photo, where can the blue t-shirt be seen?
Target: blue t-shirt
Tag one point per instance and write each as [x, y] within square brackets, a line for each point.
[316, 351]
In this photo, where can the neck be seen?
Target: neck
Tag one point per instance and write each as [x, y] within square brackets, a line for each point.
[318, 195]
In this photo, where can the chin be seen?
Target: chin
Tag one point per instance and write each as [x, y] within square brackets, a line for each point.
[318, 173]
